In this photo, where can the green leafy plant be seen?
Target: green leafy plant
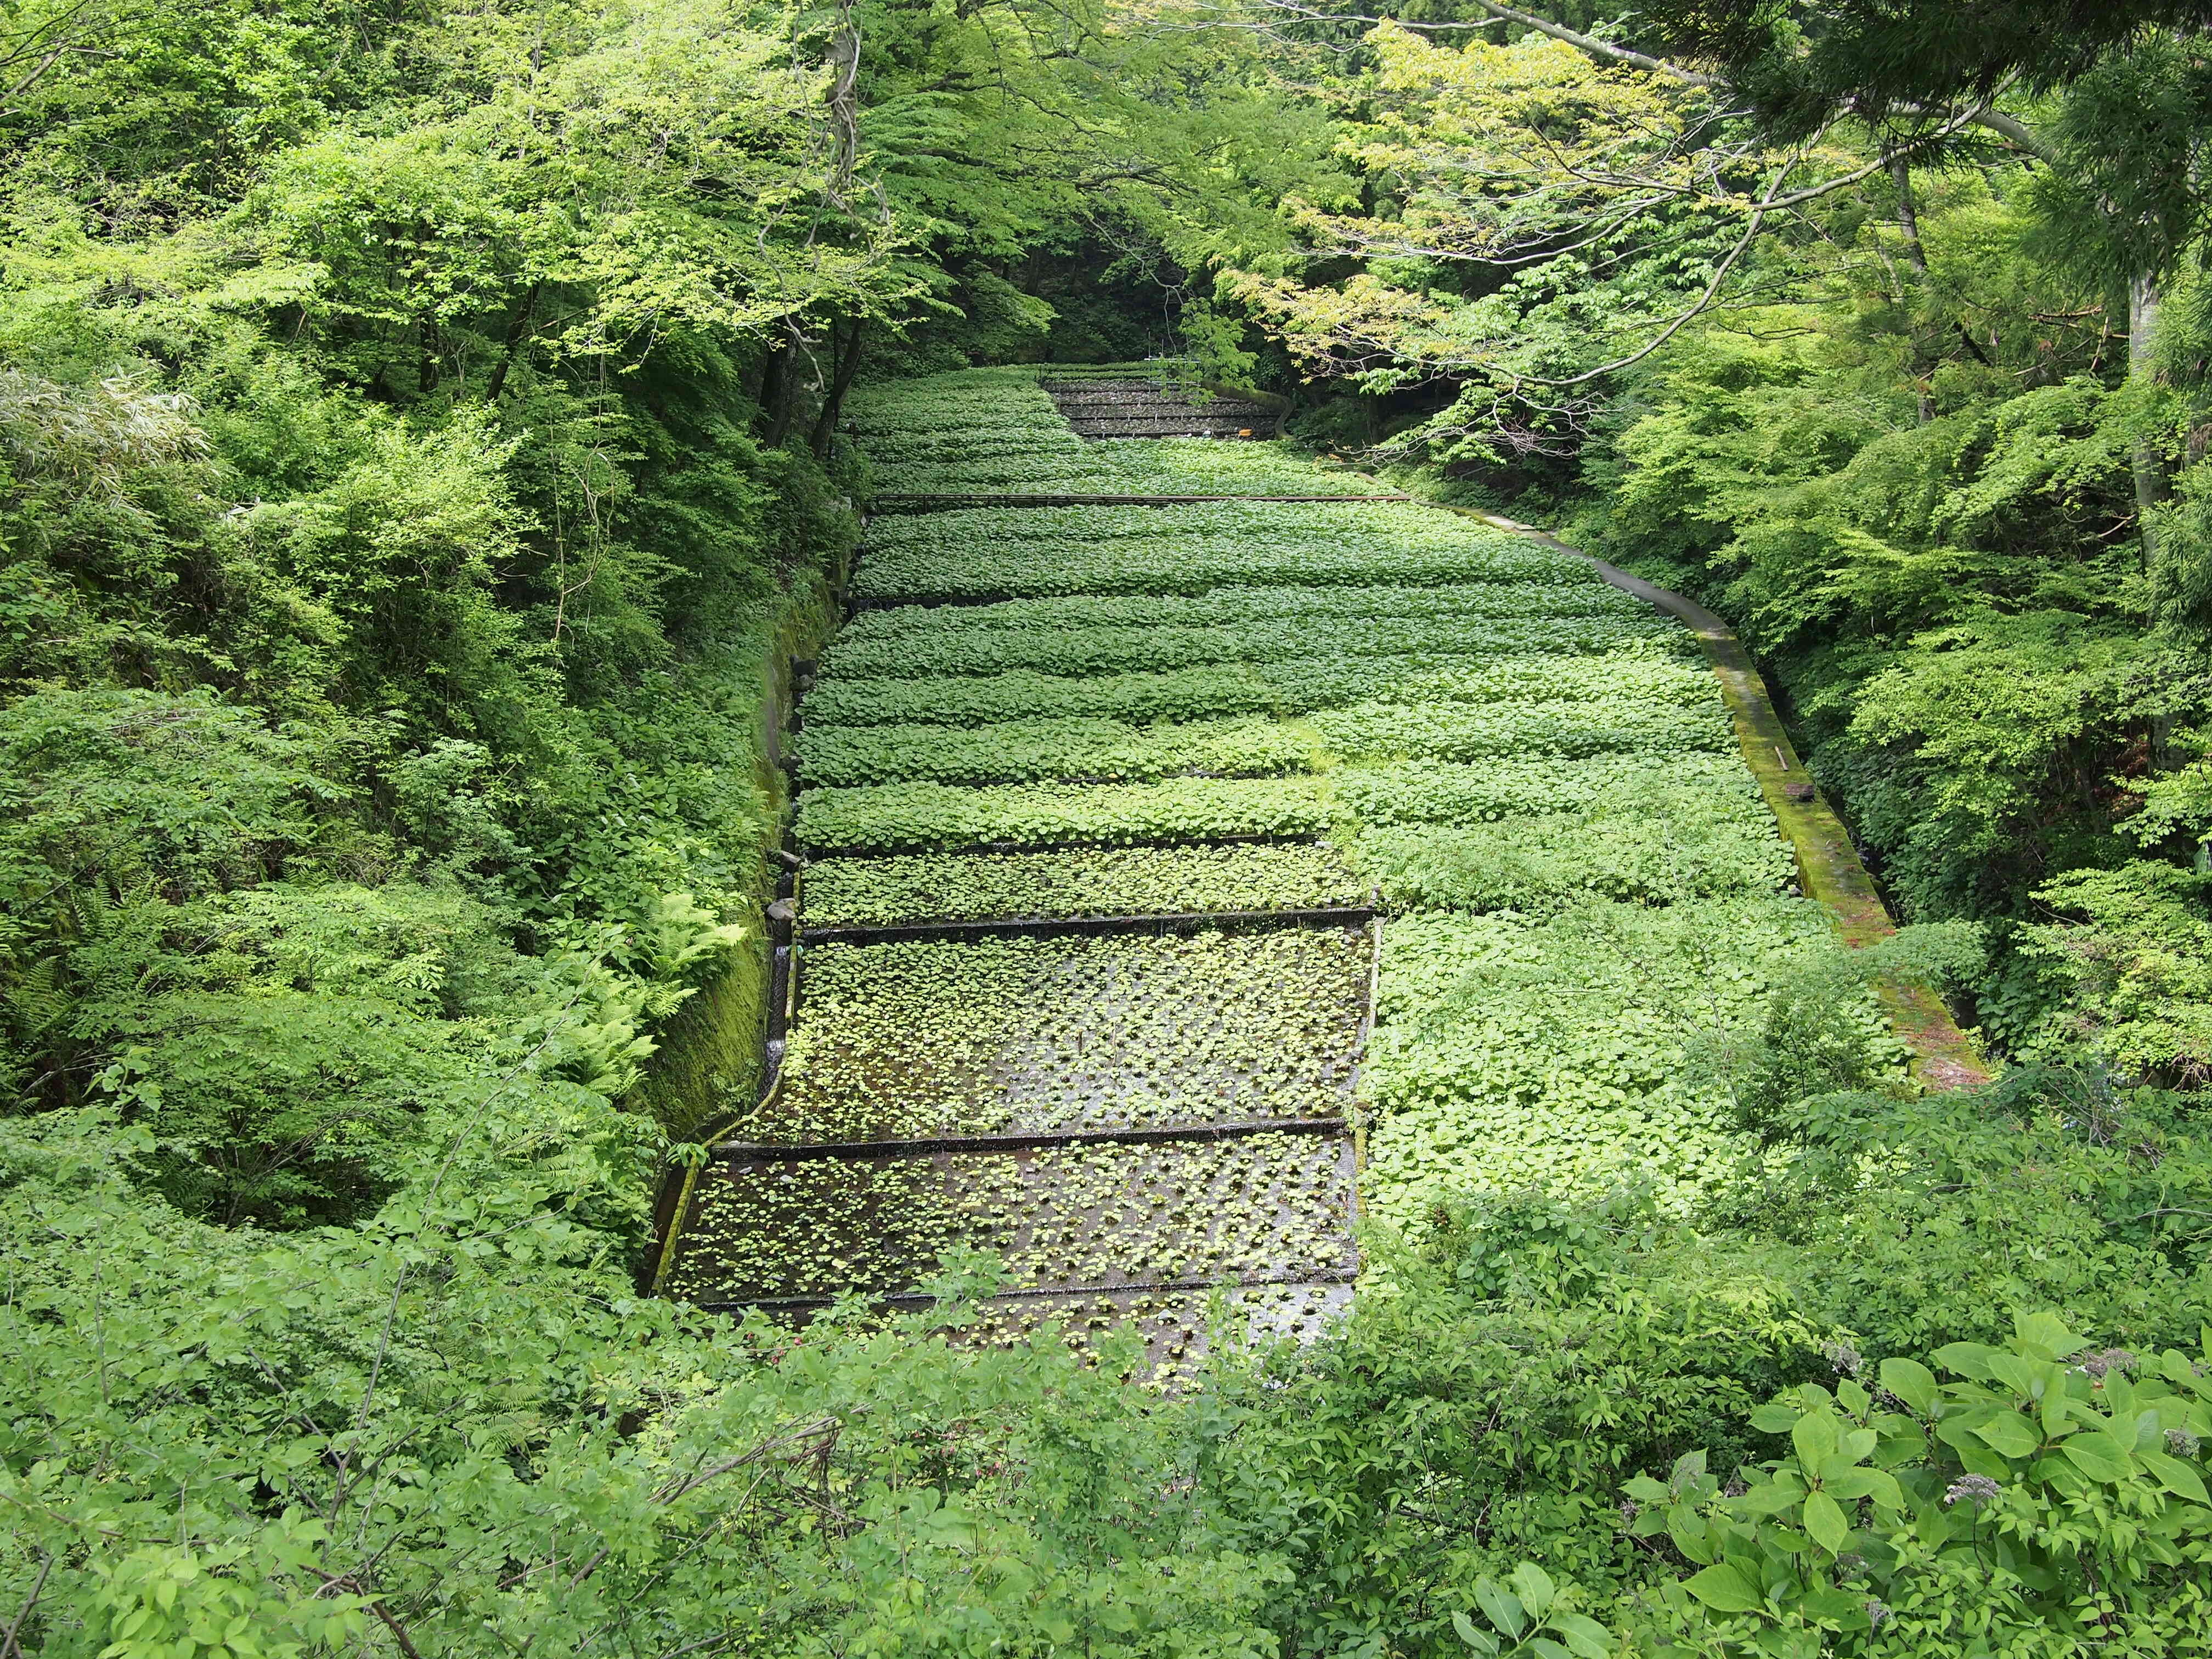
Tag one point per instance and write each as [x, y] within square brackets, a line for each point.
[2050, 1492]
[1117, 881]
[1071, 748]
[1525, 1616]
[899, 816]
[1189, 549]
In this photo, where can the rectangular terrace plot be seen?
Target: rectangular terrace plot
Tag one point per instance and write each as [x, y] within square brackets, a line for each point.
[905, 817]
[860, 646]
[1080, 749]
[1094, 749]
[1138, 649]
[916, 1039]
[1037, 530]
[1159, 465]
[1282, 687]
[965, 556]
[1105, 881]
[1065, 1219]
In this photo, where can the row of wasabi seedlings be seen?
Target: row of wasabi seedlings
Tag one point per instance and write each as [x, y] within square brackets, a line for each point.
[996, 430]
[1092, 748]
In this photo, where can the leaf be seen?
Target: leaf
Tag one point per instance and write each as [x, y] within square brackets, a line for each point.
[1724, 1588]
[1691, 1537]
[1585, 1637]
[1825, 1521]
[2176, 1476]
[1855, 1446]
[1500, 1605]
[1770, 1496]
[1534, 1587]
[1815, 1437]
[2044, 1335]
[1879, 1484]
[2024, 1378]
[2009, 1434]
[2099, 1455]
[1775, 1418]
[1481, 1640]
[1964, 1359]
[1911, 1382]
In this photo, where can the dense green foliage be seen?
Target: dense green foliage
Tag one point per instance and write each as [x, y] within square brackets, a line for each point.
[1005, 437]
[1092, 881]
[1903, 372]
[426, 435]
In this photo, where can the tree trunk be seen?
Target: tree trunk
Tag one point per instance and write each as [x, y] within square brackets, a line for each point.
[1916, 255]
[1908, 219]
[776, 391]
[844, 361]
[517, 332]
[2151, 485]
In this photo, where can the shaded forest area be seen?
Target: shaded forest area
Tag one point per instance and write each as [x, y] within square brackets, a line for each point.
[423, 438]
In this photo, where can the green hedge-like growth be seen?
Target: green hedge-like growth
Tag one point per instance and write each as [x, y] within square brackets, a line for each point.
[1100, 881]
[1513, 1053]
[1058, 649]
[1032, 751]
[1228, 607]
[1192, 550]
[913, 816]
[1292, 687]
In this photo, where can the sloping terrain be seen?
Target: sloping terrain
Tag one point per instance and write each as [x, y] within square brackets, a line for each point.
[1106, 807]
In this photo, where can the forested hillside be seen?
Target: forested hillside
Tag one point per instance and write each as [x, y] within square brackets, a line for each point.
[440, 447]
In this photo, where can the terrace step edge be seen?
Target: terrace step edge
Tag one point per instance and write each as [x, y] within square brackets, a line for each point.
[925, 1298]
[737, 1151]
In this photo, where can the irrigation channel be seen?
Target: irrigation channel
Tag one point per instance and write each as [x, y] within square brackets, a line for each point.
[1201, 851]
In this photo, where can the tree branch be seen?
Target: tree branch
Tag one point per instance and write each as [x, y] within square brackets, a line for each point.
[1595, 47]
[16, 1624]
[2014, 131]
